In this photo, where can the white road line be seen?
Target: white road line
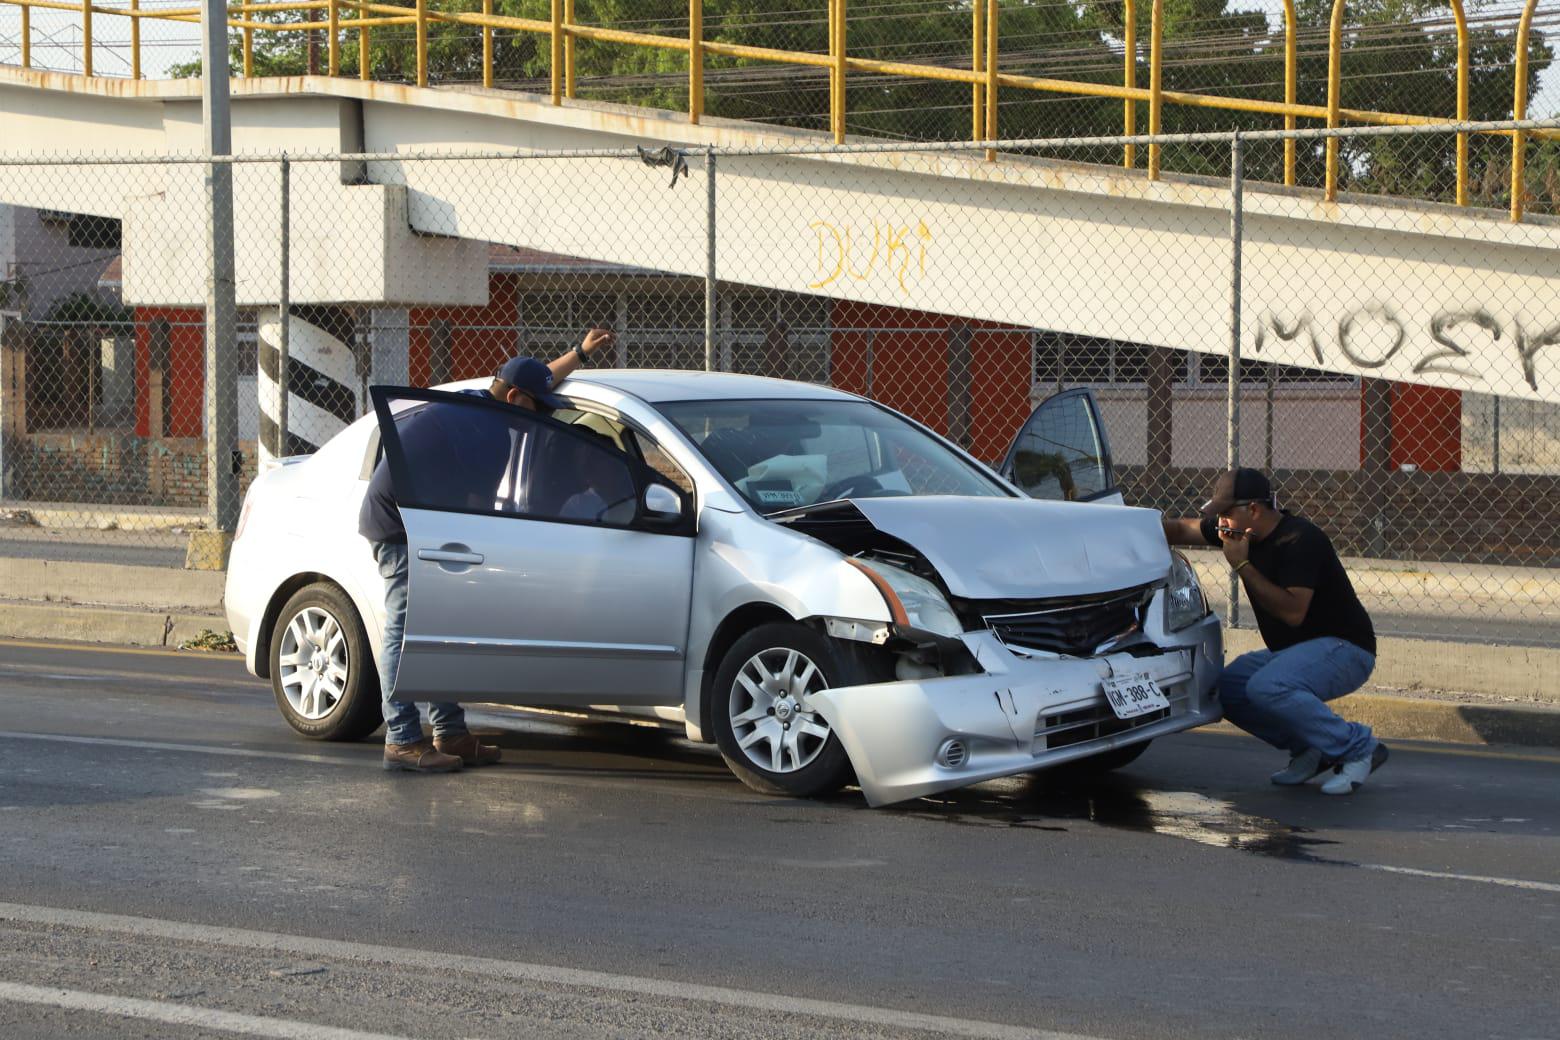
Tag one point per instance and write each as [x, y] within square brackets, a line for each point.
[333, 949]
[179, 1014]
[1536, 886]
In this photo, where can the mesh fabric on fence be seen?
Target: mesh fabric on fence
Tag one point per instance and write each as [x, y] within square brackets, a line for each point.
[1399, 357]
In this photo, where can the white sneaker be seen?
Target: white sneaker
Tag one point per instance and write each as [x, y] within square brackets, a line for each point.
[1351, 774]
[1307, 765]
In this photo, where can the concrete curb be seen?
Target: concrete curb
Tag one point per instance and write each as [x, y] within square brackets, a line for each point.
[103, 624]
[1526, 673]
[1409, 718]
[127, 586]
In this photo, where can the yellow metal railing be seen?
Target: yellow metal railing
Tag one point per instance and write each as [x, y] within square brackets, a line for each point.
[984, 74]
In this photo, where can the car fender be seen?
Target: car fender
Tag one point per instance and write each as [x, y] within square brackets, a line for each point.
[746, 560]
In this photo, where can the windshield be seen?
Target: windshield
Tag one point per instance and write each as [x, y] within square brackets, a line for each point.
[784, 454]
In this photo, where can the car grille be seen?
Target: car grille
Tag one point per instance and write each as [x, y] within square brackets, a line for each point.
[1067, 728]
[1076, 626]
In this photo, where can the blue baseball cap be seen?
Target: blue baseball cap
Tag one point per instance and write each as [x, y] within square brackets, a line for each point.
[530, 376]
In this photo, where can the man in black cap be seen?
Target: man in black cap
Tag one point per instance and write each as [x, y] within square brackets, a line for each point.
[1320, 641]
[523, 382]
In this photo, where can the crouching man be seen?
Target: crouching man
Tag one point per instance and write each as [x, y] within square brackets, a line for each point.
[1320, 641]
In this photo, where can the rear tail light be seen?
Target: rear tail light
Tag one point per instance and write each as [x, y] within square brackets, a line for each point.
[243, 518]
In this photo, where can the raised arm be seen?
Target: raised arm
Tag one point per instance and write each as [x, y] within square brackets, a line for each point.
[565, 364]
[1183, 532]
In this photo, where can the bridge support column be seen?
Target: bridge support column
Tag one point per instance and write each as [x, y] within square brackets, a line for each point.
[322, 380]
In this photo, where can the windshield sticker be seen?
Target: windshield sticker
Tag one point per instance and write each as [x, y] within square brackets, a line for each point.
[774, 493]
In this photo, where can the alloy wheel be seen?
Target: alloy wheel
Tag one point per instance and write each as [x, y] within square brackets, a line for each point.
[772, 715]
[314, 663]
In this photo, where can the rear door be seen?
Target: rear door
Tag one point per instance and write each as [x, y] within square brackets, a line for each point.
[539, 574]
[1061, 452]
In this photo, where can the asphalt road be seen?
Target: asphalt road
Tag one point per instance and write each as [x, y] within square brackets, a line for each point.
[175, 863]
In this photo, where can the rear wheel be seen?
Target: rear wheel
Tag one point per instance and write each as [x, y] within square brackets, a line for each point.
[766, 725]
[322, 670]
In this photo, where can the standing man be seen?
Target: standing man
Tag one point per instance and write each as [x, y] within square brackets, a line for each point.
[523, 382]
[1320, 641]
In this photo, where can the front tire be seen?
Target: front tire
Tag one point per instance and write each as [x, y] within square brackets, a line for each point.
[322, 669]
[765, 725]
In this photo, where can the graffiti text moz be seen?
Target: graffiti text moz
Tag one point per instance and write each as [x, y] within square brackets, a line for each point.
[1373, 335]
[896, 246]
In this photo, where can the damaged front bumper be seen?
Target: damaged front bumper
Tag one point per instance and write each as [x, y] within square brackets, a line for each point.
[1020, 714]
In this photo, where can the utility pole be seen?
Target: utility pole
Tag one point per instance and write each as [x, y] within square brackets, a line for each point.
[223, 461]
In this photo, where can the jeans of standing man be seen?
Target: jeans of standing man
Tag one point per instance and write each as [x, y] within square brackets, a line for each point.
[1280, 697]
[402, 724]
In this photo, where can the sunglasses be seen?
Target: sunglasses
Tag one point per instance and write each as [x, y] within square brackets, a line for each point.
[1211, 507]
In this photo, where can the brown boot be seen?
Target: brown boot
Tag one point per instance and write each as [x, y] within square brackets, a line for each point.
[421, 757]
[468, 749]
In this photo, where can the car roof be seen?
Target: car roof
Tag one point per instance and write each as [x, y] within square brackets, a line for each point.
[657, 385]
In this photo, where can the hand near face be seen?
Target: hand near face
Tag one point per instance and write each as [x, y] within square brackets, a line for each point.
[1236, 543]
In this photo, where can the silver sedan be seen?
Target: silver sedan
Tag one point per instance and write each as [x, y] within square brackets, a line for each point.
[822, 587]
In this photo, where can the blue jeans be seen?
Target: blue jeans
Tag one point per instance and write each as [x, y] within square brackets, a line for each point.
[1280, 697]
[402, 724]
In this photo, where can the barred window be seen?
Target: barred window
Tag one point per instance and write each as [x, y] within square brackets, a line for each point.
[1073, 360]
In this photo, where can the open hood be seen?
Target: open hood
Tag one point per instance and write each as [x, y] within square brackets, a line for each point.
[1013, 548]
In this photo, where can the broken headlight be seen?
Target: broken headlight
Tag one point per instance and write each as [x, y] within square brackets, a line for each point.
[1184, 602]
[922, 604]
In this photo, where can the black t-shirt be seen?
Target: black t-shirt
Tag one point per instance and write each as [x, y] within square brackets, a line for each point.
[441, 443]
[1298, 554]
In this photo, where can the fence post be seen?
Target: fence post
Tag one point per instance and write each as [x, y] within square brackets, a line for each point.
[487, 45]
[135, 41]
[568, 48]
[709, 260]
[27, 37]
[9, 393]
[1495, 434]
[837, 40]
[1232, 453]
[977, 64]
[557, 52]
[284, 316]
[1156, 66]
[222, 463]
[422, 43]
[992, 72]
[333, 45]
[1129, 80]
[86, 37]
[695, 60]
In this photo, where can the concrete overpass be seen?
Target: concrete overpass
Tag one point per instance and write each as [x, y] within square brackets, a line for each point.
[1427, 294]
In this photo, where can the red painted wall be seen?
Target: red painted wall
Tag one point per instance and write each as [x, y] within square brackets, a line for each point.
[186, 395]
[909, 369]
[1426, 428]
[473, 351]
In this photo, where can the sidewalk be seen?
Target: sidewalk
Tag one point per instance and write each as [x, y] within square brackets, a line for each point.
[1438, 689]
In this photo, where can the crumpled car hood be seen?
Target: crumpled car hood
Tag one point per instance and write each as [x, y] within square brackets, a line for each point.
[1012, 548]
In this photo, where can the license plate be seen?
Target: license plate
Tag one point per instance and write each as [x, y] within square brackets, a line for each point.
[1135, 695]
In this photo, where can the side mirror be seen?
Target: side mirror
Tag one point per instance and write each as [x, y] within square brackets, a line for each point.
[662, 504]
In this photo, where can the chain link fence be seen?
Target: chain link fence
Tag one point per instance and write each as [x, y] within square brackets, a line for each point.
[1397, 362]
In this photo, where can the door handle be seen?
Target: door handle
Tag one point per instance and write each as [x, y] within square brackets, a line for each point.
[451, 554]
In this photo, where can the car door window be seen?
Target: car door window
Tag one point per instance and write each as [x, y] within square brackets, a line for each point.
[1062, 453]
[477, 456]
[631, 441]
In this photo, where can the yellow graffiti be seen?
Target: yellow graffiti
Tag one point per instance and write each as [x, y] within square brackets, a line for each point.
[897, 247]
